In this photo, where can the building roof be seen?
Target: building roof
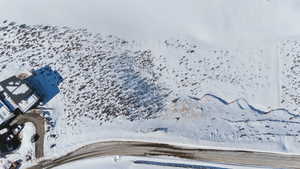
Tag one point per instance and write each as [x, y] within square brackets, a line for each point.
[45, 83]
[15, 93]
[5, 114]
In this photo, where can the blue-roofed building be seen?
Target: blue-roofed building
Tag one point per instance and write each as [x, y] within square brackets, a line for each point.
[45, 83]
[19, 94]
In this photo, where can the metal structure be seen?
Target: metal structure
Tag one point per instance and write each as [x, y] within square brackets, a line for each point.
[19, 94]
[15, 97]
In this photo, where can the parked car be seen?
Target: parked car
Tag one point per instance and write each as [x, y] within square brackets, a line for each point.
[17, 129]
[8, 143]
[9, 140]
[34, 138]
[16, 164]
[9, 137]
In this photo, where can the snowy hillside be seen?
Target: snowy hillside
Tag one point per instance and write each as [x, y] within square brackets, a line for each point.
[208, 74]
[107, 77]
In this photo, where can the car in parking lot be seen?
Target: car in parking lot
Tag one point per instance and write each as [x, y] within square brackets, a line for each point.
[16, 129]
[9, 138]
[9, 143]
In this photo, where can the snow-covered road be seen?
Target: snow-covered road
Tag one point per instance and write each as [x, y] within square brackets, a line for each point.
[132, 148]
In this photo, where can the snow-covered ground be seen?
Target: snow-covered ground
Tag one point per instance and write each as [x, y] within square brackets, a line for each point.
[4, 163]
[209, 73]
[234, 23]
[118, 162]
[27, 147]
[108, 79]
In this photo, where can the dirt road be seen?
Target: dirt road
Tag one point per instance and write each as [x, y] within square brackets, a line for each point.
[146, 149]
[39, 123]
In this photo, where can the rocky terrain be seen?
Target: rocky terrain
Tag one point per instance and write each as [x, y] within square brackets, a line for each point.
[289, 75]
[103, 78]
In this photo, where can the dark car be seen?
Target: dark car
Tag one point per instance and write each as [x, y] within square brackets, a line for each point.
[16, 165]
[16, 129]
[9, 143]
[35, 138]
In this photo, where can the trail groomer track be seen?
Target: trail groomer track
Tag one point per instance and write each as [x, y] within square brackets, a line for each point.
[148, 149]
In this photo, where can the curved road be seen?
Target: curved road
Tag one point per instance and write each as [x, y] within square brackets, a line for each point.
[34, 117]
[146, 149]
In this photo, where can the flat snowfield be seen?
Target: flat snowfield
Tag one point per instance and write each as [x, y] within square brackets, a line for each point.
[117, 162]
[231, 22]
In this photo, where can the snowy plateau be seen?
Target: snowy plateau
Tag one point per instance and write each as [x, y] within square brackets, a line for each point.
[221, 74]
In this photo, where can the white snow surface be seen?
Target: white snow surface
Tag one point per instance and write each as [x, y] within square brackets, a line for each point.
[229, 22]
[153, 70]
[4, 163]
[121, 162]
[27, 147]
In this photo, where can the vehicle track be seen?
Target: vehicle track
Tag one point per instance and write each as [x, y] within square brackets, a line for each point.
[148, 149]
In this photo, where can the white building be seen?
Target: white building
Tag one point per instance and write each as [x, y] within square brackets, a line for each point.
[15, 97]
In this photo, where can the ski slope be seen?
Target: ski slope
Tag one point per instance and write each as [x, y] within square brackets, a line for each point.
[217, 73]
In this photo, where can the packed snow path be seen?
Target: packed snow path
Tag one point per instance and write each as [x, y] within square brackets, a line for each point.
[131, 148]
